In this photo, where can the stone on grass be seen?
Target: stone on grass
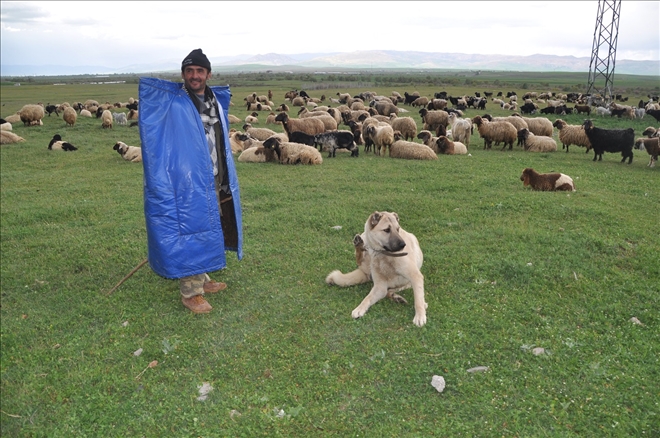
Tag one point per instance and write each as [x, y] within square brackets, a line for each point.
[478, 369]
[438, 382]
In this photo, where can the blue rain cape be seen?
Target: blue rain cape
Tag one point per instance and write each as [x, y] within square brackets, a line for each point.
[184, 232]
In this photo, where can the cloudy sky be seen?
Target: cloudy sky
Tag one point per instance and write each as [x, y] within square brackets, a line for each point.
[120, 34]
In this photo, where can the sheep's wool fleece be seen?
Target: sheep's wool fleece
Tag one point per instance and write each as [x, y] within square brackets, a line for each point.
[184, 232]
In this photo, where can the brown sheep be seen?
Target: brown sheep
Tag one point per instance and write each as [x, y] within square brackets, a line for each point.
[546, 181]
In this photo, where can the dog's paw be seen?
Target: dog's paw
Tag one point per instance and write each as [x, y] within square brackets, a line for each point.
[358, 313]
[419, 320]
[330, 279]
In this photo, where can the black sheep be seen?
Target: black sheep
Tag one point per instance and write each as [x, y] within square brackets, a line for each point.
[610, 140]
[654, 113]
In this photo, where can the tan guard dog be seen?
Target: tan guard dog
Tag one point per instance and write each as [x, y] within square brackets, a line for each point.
[390, 257]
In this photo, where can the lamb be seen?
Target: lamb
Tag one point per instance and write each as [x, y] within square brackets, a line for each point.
[651, 146]
[382, 136]
[539, 126]
[405, 125]
[310, 125]
[409, 150]
[258, 133]
[536, 143]
[602, 111]
[85, 113]
[572, 134]
[8, 137]
[497, 131]
[461, 129]
[128, 153]
[445, 146]
[610, 140]
[433, 119]
[31, 115]
[293, 153]
[547, 182]
[106, 118]
[57, 144]
[334, 140]
[120, 118]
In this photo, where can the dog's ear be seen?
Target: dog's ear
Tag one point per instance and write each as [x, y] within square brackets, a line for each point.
[357, 240]
[374, 219]
[396, 216]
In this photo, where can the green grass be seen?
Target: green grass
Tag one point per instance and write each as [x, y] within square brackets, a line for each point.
[506, 270]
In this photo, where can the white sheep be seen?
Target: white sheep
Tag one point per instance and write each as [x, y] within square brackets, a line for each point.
[233, 119]
[257, 154]
[409, 150]
[14, 118]
[445, 146]
[461, 129]
[31, 115]
[5, 125]
[293, 153]
[85, 113]
[258, 133]
[310, 125]
[252, 118]
[539, 126]
[128, 153]
[8, 137]
[572, 134]
[120, 118]
[536, 143]
[427, 138]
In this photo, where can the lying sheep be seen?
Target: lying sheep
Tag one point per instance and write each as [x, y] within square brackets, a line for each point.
[14, 118]
[310, 125]
[409, 150]
[498, 131]
[31, 115]
[5, 125]
[258, 154]
[85, 113]
[651, 146]
[258, 133]
[443, 145]
[329, 123]
[106, 118]
[536, 143]
[132, 115]
[237, 141]
[233, 119]
[546, 181]
[293, 153]
[69, 116]
[572, 134]
[651, 132]
[405, 125]
[427, 138]
[8, 137]
[128, 153]
[251, 118]
[57, 144]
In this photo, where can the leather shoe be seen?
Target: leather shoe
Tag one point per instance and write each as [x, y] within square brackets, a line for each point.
[211, 287]
[197, 304]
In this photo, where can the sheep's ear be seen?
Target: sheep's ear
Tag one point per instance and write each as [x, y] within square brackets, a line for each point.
[374, 219]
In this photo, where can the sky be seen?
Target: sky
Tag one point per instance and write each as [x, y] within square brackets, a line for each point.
[119, 34]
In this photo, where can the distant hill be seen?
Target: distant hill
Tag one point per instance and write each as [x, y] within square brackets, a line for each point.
[375, 59]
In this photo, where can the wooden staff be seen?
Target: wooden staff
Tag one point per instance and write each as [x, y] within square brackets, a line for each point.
[135, 269]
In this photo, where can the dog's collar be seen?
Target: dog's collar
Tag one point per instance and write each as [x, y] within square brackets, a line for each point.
[387, 253]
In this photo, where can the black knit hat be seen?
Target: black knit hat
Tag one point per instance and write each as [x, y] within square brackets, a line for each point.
[196, 57]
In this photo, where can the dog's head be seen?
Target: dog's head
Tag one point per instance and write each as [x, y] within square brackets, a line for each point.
[382, 232]
[120, 147]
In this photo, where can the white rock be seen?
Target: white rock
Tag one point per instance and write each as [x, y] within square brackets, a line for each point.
[137, 352]
[538, 351]
[478, 369]
[634, 320]
[336, 227]
[438, 382]
[204, 391]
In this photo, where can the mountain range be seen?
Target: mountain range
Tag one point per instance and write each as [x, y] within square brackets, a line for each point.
[375, 59]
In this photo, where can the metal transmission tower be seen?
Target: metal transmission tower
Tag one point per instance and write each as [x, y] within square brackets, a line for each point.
[603, 52]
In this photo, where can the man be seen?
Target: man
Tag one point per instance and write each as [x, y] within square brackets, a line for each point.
[191, 198]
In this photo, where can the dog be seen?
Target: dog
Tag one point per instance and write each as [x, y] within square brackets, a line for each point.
[389, 256]
[128, 153]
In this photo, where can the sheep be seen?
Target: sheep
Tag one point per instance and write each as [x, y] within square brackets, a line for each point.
[85, 113]
[536, 143]
[69, 116]
[329, 123]
[405, 125]
[651, 132]
[233, 119]
[445, 146]
[410, 150]
[106, 118]
[582, 109]
[8, 137]
[420, 101]
[120, 118]
[602, 111]
[132, 115]
[539, 126]
[427, 138]
[334, 140]
[610, 140]
[57, 144]
[283, 108]
[433, 119]
[655, 113]
[461, 129]
[382, 136]
[14, 118]
[651, 146]
[547, 182]
[5, 126]
[293, 153]
[236, 141]
[298, 101]
[302, 138]
[252, 118]
[310, 125]
[497, 131]
[257, 154]
[383, 107]
[31, 115]
[258, 133]
[572, 134]
[128, 153]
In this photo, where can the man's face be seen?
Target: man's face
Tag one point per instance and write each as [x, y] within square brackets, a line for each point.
[195, 77]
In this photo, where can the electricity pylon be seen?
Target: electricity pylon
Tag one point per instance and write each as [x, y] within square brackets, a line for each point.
[603, 52]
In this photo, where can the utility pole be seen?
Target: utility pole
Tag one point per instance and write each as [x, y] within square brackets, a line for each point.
[603, 52]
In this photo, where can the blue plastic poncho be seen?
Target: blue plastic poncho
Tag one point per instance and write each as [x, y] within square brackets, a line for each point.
[184, 233]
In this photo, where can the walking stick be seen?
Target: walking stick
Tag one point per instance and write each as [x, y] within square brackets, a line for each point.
[135, 269]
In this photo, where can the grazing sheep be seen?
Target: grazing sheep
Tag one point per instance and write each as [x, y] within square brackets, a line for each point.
[8, 137]
[258, 133]
[69, 116]
[31, 115]
[445, 146]
[610, 140]
[310, 125]
[293, 153]
[106, 118]
[409, 150]
[128, 153]
[536, 143]
[420, 101]
[461, 129]
[427, 138]
[56, 144]
[539, 126]
[547, 182]
[497, 131]
[120, 118]
[85, 113]
[433, 119]
[571, 134]
[651, 146]
[233, 119]
[382, 136]
[405, 125]
[384, 107]
[333, 140]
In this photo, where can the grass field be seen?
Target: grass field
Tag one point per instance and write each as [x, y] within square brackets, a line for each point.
[506, 270]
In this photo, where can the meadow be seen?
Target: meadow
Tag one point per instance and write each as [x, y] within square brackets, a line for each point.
[507, 270]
